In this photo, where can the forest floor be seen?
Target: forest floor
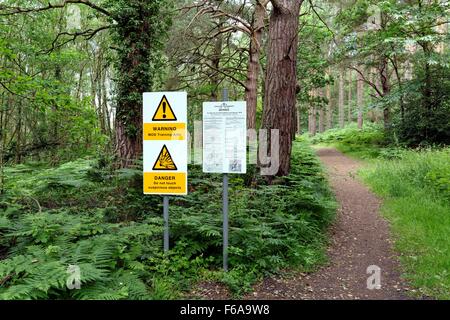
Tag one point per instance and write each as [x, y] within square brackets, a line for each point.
[360, 238]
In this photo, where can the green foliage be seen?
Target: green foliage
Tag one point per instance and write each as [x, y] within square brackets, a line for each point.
[427, 104]
[367, 143]
[370, 134]
[46, 108]
[86, 215]
[405, 39]
[417, 192]
[138, 36]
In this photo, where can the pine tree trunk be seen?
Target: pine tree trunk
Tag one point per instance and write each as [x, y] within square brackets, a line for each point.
[341, 98]
[313, 121]
[251, 87]
[329, 109]
[350, 97]
[281, 78]
[321, 114]
[360, 100]
[385, 85]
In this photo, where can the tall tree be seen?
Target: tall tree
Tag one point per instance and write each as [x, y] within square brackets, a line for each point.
[321, 113]
[281, 76]
[329, 114]
[256, 36]
[360, 100]
[341, 98]
[140, 26]
[350, 97]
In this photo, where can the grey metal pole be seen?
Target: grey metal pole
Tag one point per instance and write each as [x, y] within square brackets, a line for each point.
[166, 223]
[225, 207]
[225, 222]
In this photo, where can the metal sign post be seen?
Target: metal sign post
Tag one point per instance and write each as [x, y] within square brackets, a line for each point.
[225, 222]
[225, 149]
[225, 207]
[166, 223]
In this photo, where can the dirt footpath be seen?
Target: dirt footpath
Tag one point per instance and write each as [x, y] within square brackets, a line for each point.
[360, 238]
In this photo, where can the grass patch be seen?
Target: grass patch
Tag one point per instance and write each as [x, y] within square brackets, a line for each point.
[367, 143]
[83, 213]
[416, 188]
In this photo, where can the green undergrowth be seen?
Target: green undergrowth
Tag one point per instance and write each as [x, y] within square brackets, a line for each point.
[416, 188]
[84, 214]
[366, 143]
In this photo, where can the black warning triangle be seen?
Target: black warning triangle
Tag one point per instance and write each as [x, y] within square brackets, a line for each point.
[164, 161]
[164, 111]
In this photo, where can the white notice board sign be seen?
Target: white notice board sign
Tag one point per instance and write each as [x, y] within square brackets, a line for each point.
[165, 143]
[225, 137]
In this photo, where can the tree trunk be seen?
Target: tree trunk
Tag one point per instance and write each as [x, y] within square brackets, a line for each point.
[321, 121]
[281, 78]
[385, 85]
[313, 121]
[350, 97]
[341, 98]
[329, 109]
[360, 100]
[309, 120]
[251, 86]
[99, 80]
[135, 77]
[215, 62]
[106, 112]
[18, 150]
[321, 114]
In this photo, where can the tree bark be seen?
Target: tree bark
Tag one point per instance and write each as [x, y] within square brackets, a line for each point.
[309, 120]
[215, 62]
[106, 113]
[360, 100]
[321, 114]
[385, 85]
[281, 78]
[313, 121]
[350, 97]
[251, 88]
[341, 98]
[329, 109]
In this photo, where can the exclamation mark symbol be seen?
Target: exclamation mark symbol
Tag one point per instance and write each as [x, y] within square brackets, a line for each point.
[164, 110]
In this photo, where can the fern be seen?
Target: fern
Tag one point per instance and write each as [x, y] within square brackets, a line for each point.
[113, 233]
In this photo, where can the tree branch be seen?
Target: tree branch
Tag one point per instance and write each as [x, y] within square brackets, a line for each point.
[226, 75]
[370, 83]
[87, 34]
[17, 10]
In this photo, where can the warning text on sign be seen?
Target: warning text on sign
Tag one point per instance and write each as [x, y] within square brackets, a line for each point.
[165, 183]
[157, 131]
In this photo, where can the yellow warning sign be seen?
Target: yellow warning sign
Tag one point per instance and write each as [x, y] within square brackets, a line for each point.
[164, 161]
[165, 143]
[164, 111]
[164, 131]
[165, 183]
